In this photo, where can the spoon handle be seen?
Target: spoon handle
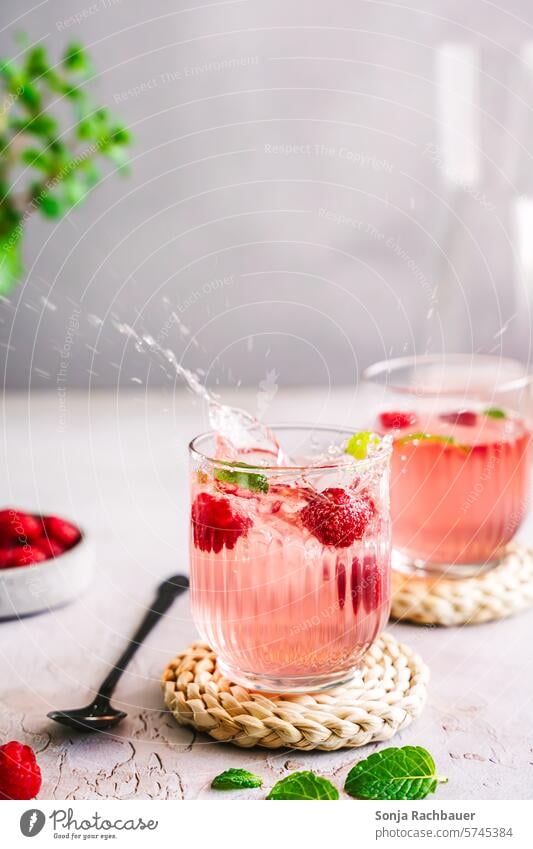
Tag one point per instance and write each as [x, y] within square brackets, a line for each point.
[167, 592]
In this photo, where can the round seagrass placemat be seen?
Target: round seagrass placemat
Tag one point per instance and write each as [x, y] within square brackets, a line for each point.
[494, 594]
[388, 694]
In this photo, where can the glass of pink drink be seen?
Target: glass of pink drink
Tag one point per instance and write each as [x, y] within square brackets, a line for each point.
[461, 458]
[290, 565]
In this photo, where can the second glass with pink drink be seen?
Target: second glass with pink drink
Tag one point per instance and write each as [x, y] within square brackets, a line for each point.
[290, 561]
[461, 460]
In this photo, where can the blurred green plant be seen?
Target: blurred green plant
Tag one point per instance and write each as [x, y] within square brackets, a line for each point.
[48, 165]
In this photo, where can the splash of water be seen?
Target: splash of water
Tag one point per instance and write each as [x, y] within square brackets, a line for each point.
[238, 431]
[47, 304]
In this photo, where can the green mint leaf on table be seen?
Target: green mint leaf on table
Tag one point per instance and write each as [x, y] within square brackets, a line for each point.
[236, 779]
[240, 477]
[303, 785]
[359, 443]
[495, 413]
[406, 773]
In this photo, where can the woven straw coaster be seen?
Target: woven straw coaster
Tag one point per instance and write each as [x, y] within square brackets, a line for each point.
[500, 592]
[386, 697]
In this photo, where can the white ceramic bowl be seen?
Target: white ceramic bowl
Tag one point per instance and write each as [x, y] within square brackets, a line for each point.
[51, 583]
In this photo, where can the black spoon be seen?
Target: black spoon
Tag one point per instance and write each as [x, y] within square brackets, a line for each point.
[100, 715]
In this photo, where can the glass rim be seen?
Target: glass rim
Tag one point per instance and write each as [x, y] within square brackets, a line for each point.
[383, 452]
[373, 373]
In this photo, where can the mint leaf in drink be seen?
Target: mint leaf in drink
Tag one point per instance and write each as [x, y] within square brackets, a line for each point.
[495, 413]
[236, 779]
[303, 785]
[359, 443]
[433, 437]
[426, 437]
[406, 773]
[240, 477]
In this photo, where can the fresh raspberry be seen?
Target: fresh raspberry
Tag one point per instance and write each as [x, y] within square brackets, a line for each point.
[22, 555]
[460, 417]
[216, 524]
[337, 517]
[397, 420]
[17, 528]
[20, 775]
[60, 531]
[49, 547]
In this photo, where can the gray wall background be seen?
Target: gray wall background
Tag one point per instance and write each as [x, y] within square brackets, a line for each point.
[288, 198]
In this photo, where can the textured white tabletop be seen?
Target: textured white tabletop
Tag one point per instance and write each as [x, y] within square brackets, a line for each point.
[118, 465]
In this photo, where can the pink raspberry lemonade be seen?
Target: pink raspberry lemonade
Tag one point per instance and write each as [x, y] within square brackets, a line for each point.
[290, 564]
[459, 478]
[459, 486]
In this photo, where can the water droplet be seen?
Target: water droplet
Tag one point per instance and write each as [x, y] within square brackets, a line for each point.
[237, 427]
[47, 304]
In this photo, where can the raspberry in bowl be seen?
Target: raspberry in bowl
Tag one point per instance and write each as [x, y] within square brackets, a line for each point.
[44, 562]
[290, 564]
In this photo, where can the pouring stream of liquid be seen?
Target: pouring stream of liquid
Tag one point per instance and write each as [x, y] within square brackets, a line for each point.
[237, 431]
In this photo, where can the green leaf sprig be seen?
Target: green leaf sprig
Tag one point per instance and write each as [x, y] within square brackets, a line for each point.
[60, 162]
